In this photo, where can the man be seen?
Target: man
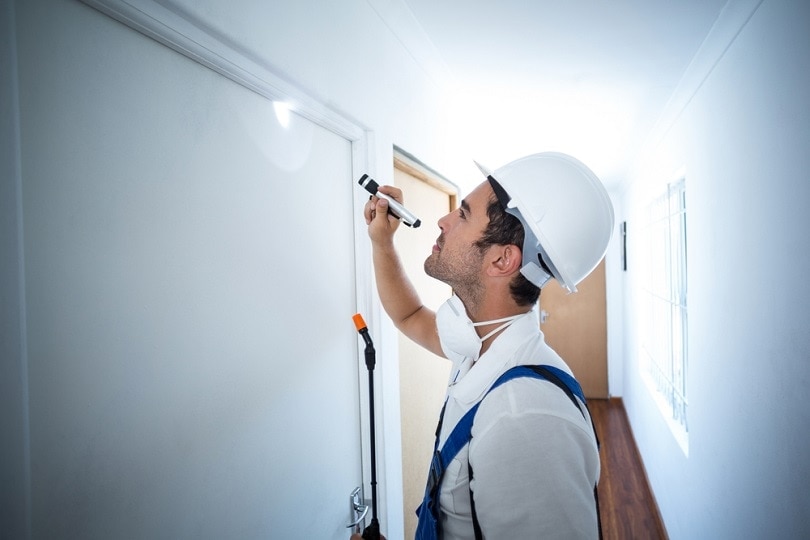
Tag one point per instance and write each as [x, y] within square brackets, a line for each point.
[531, 464]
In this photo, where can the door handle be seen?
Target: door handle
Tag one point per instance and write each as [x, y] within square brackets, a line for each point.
[357, 510]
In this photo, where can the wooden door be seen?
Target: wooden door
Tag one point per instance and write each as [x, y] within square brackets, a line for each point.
[576, 327]
[423, 375]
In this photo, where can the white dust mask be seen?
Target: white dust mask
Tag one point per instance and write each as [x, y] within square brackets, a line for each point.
[457, 333]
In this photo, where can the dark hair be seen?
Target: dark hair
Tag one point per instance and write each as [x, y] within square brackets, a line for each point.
[505, 229]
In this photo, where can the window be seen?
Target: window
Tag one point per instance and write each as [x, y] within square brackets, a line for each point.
[664, 315]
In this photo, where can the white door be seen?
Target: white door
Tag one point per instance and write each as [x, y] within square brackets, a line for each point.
[193, 367]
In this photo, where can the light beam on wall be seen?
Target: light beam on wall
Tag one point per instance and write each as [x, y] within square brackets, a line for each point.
[282, 113]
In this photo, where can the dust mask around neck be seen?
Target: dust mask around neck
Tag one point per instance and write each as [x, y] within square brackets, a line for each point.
[457, 333]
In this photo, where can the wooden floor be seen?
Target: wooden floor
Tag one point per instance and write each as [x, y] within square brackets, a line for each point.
[627, 507]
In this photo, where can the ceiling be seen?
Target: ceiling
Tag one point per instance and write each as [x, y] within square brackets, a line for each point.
[585, 77]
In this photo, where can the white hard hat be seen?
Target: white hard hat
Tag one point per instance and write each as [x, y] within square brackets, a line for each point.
[566, 214]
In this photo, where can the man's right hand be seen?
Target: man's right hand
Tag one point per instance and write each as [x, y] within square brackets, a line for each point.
[397, 294]
[382, 225]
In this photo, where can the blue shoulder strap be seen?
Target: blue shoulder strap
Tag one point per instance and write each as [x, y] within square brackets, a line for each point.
[463, 431]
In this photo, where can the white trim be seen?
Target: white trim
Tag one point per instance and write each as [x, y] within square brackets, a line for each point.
[730, 22]
[16, 423]
[425, 173]
[203, 45]
[169, 25]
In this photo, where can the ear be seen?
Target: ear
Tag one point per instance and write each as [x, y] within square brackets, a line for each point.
[505, 261]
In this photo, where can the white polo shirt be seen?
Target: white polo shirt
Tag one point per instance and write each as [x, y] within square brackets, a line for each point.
[534, 457]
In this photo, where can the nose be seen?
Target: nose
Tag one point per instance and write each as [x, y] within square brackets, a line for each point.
[443, 221]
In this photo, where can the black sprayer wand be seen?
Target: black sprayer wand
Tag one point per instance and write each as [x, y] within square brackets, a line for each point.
[372, 532]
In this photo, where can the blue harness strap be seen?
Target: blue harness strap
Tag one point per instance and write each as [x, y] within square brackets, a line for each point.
[428, 512]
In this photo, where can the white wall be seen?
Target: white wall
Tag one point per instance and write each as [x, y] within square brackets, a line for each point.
[743, 142]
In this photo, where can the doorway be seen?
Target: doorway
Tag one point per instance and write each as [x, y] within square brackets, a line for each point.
[575, 325]
[423, 375]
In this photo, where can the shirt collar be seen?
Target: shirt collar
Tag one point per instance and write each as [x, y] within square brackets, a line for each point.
[500, 356]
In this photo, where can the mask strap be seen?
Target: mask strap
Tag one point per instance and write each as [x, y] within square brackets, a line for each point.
[494, 321]
[506, 322]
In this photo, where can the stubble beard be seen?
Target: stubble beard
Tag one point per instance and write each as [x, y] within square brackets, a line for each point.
[460, 273]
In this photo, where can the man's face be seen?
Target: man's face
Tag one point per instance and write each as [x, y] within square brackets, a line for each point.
[455, 259]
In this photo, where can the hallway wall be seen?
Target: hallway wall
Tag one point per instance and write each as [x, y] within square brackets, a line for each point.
[742, 140]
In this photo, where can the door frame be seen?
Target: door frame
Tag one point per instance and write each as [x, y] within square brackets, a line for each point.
[187, 36]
